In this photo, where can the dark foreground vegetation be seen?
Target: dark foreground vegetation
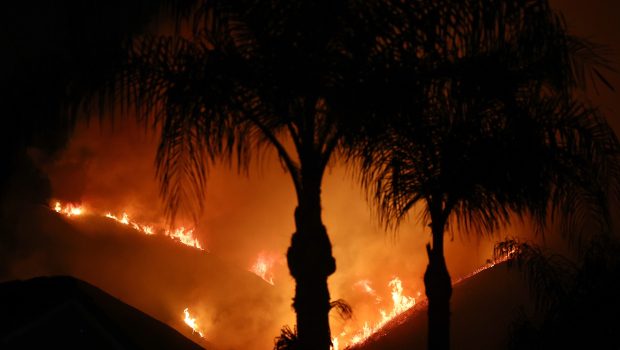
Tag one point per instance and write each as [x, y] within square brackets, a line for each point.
[577, 297]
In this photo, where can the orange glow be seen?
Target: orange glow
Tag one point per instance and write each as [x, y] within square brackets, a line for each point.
[191, 322]
[181, 234]
[263, 267]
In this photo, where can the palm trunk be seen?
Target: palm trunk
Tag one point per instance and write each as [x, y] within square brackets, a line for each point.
[310, 262]
[438, 290]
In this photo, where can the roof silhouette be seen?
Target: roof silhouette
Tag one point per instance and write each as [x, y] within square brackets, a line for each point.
[66, 313]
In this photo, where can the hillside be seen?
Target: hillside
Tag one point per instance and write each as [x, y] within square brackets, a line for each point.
[154, 274]
[483, 308]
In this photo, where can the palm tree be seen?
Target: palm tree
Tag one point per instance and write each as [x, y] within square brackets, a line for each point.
[303, 78]
[496, 134]
[252, 75]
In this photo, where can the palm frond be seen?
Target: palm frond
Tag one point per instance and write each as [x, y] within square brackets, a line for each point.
[579, 296]
[498, 133]
[193, 94]
[287, 340]
[344, 310]
[549, 276]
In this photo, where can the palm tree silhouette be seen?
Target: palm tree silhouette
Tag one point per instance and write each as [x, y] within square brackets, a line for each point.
[496, 134]
[251, 75]
[242, 76]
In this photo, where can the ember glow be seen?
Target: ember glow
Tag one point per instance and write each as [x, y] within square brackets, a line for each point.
[263, 267]
[191, 322]
[181, 234]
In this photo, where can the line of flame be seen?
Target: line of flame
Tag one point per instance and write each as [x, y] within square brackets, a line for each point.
[181, 234]
[402, 303]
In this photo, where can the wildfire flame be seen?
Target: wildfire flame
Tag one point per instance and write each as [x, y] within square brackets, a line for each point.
[263, 267]
[184, 236]
[191, 322]
[146, 229]
[335, 345]
[181, 234]
[400, 304]
[68, 209]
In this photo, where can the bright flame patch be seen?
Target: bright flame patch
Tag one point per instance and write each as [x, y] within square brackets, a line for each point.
[191, 322]
[68, 209]
[263, 267]
[184, 236]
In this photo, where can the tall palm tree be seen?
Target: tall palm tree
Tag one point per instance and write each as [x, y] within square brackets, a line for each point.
[496, 134]
[243, 76]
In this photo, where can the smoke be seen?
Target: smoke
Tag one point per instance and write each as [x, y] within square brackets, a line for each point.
[111, 168]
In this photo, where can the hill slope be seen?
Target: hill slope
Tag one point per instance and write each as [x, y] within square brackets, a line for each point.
[483, 308]
[152, 273]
